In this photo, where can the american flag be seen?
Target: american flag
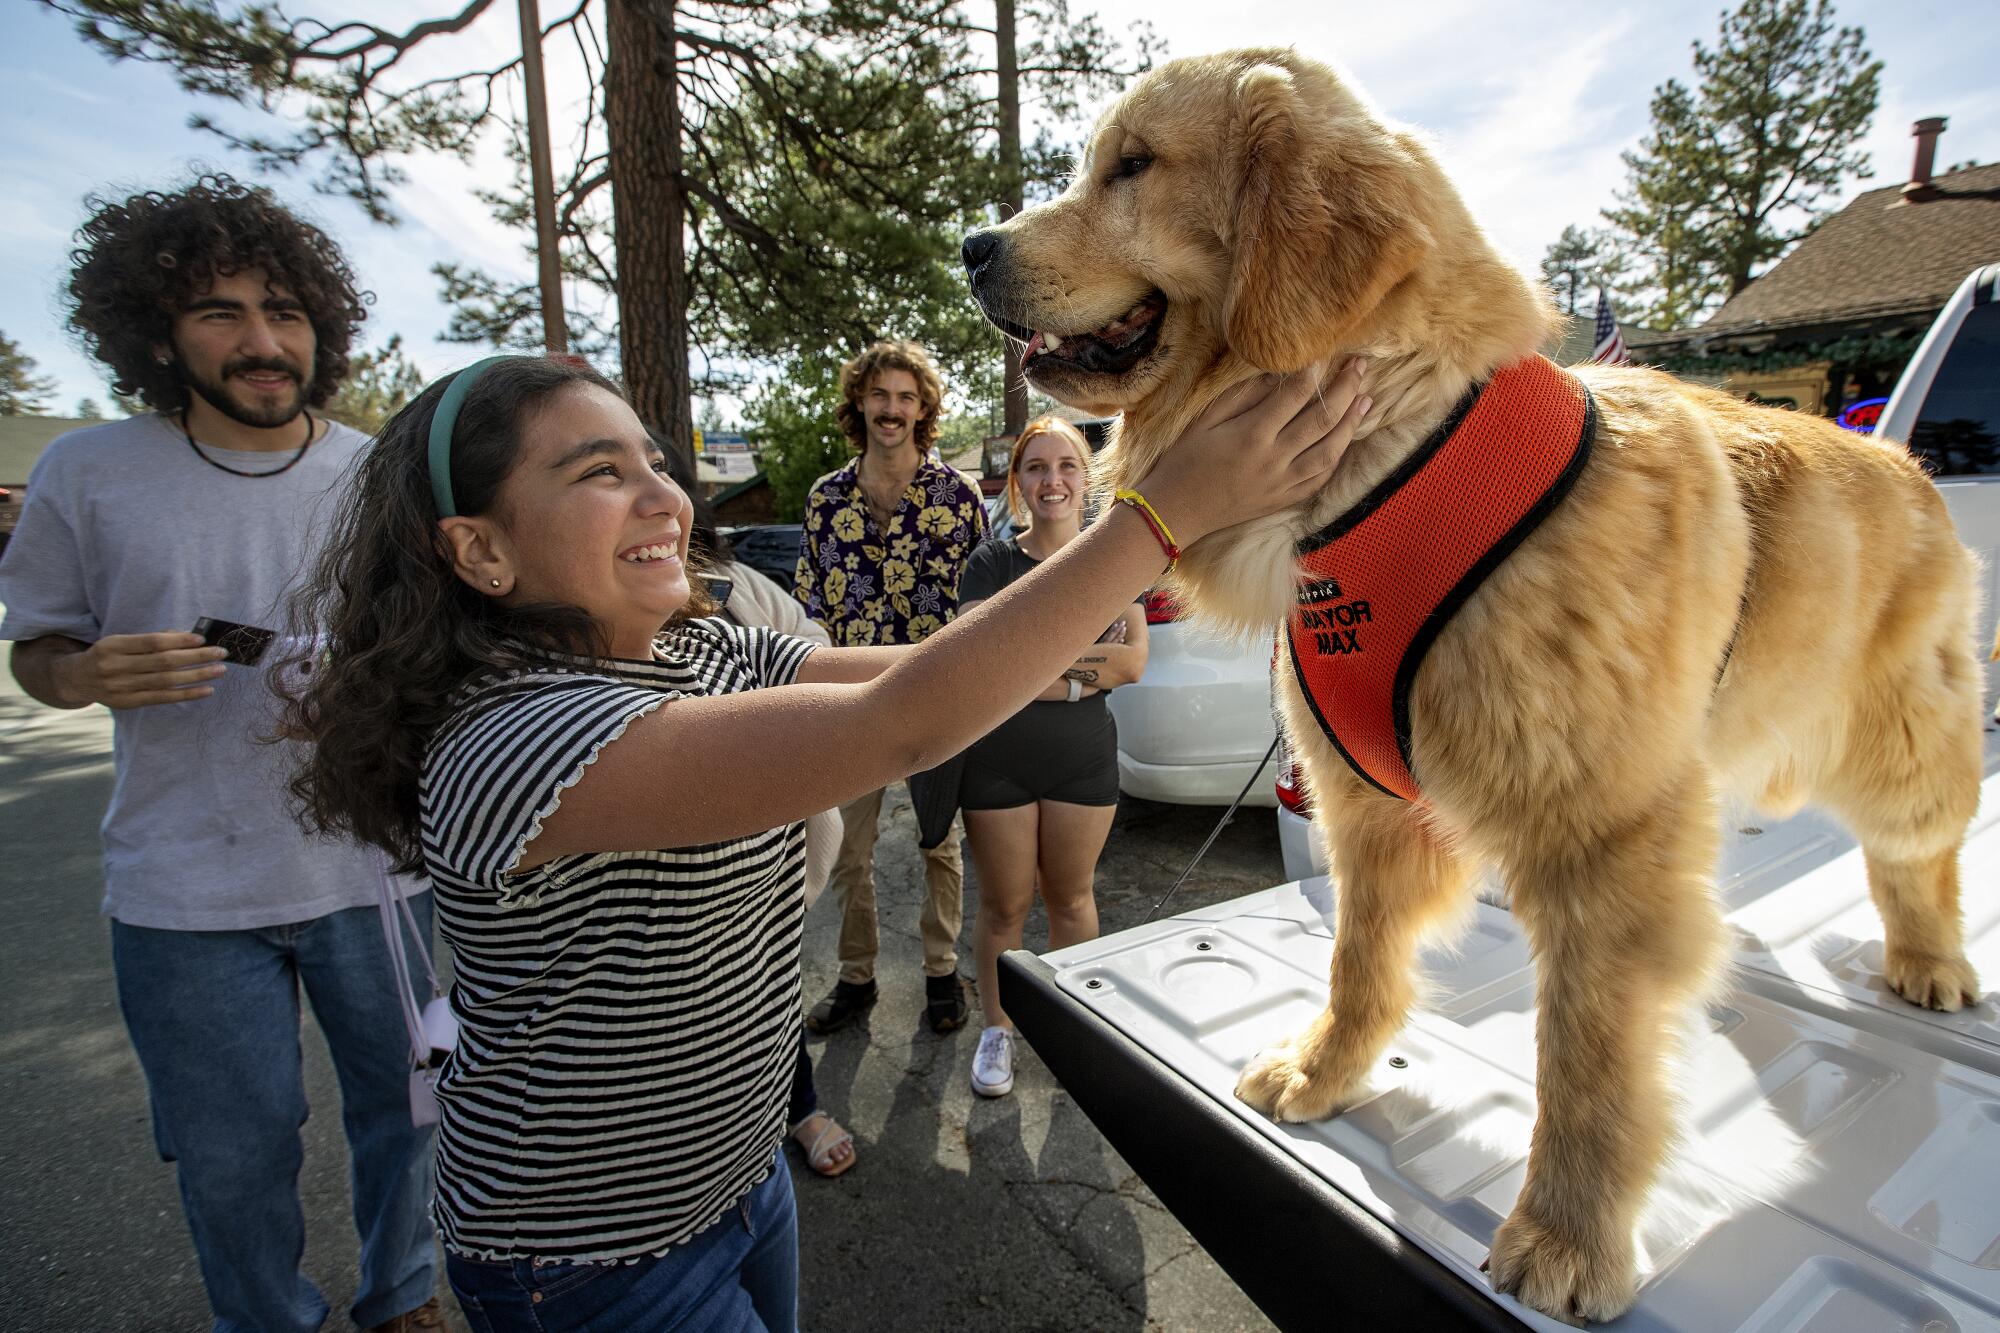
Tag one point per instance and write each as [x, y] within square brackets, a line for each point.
[1609, 345]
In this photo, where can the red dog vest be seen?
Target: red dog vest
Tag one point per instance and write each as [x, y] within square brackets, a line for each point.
[1378, 583]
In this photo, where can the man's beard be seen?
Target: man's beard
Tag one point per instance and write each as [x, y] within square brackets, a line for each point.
[217, 394]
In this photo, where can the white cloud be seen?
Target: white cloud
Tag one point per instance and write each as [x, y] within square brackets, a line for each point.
[1544, 154]
[1531, 104]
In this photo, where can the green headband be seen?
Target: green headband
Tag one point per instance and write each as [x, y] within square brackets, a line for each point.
[442, 422]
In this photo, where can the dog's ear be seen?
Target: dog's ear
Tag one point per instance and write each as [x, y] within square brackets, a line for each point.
[1326, 224]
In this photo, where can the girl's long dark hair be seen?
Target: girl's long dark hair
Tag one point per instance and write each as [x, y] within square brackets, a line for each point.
[401, 631]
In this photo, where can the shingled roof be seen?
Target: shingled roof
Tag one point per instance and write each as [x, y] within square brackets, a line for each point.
[1878, 257]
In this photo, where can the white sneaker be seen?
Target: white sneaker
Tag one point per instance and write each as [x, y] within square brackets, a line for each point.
[993, 1063]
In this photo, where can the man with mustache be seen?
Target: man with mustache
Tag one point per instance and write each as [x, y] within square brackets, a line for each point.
[231, 319]
[886, 539]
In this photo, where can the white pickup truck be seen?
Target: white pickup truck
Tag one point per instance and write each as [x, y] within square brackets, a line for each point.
[1842, 1168]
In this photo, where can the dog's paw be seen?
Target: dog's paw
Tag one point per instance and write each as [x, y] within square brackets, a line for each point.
[1285, 1085]
[1931, 981]
[1563, 1279]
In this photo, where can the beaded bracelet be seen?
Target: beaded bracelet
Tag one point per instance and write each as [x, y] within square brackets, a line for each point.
[1153, 521]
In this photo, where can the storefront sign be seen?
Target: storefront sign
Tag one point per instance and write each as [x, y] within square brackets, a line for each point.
[732, 466]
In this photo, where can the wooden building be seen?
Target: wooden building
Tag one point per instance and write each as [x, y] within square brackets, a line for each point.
[1834, 321]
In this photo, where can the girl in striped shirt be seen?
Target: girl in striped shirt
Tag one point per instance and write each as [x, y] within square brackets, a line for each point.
[527, 697]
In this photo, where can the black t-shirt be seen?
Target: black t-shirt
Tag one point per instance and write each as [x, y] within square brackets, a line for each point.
[994, 564]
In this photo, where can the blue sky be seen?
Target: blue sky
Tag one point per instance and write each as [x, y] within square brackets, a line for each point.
[1529, 103]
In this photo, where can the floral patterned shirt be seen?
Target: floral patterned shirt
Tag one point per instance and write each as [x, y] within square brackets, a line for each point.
[870, 586]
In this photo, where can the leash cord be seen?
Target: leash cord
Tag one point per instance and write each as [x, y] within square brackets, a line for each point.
[1216, 832]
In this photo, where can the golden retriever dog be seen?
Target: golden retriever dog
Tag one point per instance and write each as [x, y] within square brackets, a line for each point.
[1731, 600]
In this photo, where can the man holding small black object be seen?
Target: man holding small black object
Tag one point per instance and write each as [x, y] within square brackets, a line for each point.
[150, 562]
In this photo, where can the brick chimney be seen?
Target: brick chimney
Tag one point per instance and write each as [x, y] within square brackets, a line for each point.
[1919, 188]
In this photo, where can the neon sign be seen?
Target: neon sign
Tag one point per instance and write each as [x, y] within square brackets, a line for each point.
[1861, 417]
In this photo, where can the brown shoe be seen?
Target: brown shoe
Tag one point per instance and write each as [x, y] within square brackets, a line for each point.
[944, 1003]
[847, 1001]
[426, 1318]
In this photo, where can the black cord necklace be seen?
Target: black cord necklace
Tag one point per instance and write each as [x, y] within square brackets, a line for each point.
[286, 466]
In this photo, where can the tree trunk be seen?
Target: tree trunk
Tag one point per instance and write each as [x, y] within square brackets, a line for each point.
[642, 118]
[1015, 195]
[1739, 273]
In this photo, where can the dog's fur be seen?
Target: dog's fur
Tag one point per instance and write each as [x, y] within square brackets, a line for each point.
[1569, 725]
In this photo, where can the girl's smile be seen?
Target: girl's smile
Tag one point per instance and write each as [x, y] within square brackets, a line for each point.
[659, 551]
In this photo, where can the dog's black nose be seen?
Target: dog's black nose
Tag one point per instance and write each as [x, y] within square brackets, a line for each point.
[979, 247]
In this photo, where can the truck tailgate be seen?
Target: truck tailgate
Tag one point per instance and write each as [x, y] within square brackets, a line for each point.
[1842, 1170]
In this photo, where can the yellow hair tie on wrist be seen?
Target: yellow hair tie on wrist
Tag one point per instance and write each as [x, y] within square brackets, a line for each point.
[1153, 521]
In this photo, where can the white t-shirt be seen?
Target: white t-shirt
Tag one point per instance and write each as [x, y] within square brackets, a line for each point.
[126, 531]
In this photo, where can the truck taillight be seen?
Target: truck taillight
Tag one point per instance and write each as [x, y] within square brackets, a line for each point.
[1289, 794]
[1160, 608]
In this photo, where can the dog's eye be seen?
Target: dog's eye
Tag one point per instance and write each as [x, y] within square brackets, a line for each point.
[1129, 167]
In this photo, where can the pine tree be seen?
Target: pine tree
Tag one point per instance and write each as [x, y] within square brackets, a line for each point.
[798, 440]
[1061, 61]
[675, 196]
[1578, 263]
[1736, 170]
[379, 384]
[23, 393]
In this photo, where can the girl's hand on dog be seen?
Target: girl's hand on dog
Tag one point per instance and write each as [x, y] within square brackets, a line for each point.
[1266, 445]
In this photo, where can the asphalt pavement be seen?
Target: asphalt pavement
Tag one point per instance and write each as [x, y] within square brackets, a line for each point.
[960, 1213]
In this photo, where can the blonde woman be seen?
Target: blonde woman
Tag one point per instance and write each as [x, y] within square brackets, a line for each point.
[1039, 791]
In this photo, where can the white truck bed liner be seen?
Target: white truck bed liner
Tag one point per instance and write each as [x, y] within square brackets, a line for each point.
[1842, 1173]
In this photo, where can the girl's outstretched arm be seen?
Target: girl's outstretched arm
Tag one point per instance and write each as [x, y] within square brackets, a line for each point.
[678, 777]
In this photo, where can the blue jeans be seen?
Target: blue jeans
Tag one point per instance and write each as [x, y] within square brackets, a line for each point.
[214, 1017]
[739, 1276]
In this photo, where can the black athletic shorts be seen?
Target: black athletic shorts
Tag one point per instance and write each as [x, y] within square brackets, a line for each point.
[1049, 751]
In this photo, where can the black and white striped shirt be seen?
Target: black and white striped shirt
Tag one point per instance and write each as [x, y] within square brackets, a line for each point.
[627, 1019]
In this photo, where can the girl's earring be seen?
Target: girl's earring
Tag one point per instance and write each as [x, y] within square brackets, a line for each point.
[494, 582]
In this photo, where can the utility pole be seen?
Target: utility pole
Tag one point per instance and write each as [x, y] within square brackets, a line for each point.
[555, 330]
[1009, 65]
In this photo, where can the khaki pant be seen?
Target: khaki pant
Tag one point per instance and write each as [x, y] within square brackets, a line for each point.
[853, 886]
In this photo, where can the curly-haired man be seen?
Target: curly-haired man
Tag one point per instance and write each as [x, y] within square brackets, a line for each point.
[231, 319]
[886, 539]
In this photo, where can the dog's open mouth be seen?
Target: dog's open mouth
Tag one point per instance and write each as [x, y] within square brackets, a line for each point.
[1110, 350]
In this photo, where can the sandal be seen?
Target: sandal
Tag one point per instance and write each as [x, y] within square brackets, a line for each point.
[846, 1000]
[828, 1141]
